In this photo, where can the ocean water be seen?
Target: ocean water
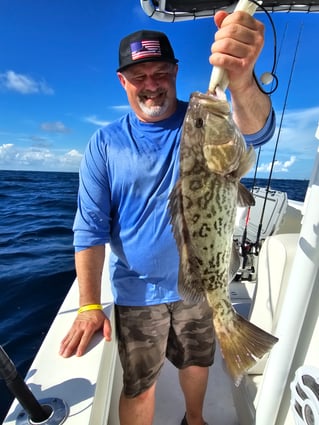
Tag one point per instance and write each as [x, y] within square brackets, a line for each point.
[36, 260]
[36, 256]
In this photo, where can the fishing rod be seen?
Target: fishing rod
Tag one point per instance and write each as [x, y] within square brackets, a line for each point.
[219, 77]
[244, 246]
[257, 243]
[266, 78]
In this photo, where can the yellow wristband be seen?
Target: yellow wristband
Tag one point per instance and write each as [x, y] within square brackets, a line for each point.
[90, 307]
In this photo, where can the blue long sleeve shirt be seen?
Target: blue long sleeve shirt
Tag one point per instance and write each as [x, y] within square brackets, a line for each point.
[127, 173]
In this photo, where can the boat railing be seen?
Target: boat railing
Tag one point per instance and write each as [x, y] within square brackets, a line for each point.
[83, 383]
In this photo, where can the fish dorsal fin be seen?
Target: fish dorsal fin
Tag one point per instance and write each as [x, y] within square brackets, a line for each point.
[190, 285]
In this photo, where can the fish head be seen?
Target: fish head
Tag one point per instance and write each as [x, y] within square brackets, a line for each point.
[222, 142]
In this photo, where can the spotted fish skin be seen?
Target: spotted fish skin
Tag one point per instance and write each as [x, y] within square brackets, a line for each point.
[203, 205]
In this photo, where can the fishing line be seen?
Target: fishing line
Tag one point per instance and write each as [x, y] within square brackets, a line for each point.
[279, 130]
[265, 76]
[244, 247]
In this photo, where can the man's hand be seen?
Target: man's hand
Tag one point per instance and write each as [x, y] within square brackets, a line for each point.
[84, 327]
[238, 43]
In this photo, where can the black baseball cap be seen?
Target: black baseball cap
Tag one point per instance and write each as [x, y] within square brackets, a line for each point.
[145, 46]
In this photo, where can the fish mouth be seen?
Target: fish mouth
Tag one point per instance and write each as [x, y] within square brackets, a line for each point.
[213, 103]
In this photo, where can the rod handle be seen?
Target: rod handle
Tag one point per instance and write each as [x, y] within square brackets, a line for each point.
[219, 76]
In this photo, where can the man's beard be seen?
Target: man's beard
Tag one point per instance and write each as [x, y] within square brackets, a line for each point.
[154, 110]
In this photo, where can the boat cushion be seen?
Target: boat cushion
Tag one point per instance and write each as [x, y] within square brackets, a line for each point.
[274, 266]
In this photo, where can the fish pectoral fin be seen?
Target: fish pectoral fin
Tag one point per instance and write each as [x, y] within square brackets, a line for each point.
[190, 285]
[244, 197]
[242, 344]
[234, 263]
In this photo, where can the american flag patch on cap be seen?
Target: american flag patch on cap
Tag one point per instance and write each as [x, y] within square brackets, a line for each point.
[145, 48]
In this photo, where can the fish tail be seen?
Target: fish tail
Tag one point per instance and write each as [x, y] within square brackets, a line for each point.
[242, 344]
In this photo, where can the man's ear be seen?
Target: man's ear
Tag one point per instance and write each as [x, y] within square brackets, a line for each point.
[122, 79]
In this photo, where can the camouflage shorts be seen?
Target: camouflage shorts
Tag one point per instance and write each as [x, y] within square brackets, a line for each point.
[146, 335]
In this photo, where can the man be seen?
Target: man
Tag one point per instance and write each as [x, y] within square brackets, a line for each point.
[127, 174]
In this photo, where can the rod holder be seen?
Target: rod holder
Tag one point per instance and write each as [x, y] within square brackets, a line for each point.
[56, 409]
[50, 411]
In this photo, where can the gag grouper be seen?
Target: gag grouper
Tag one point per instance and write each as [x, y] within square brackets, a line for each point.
[203, 206]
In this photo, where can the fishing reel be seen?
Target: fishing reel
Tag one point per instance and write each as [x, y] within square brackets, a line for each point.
[249, 258]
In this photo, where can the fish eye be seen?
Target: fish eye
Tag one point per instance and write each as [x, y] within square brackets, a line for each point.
[199, 122]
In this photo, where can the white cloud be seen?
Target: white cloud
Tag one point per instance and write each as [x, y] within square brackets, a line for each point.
[297, 134]
[23, 84]
[296, 148]
[72, 157]
[92, 119]
[122, 108]
[54, 127]
[7, 151]
[13, 157]
[279, 166]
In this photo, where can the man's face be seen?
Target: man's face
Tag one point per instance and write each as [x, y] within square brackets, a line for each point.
[151, 89]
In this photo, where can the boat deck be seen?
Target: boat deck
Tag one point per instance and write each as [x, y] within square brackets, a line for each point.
[219, 408]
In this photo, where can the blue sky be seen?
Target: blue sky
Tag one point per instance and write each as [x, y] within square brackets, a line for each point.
[58, 82]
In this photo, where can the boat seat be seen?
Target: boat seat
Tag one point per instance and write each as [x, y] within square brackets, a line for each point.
[274, 265]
